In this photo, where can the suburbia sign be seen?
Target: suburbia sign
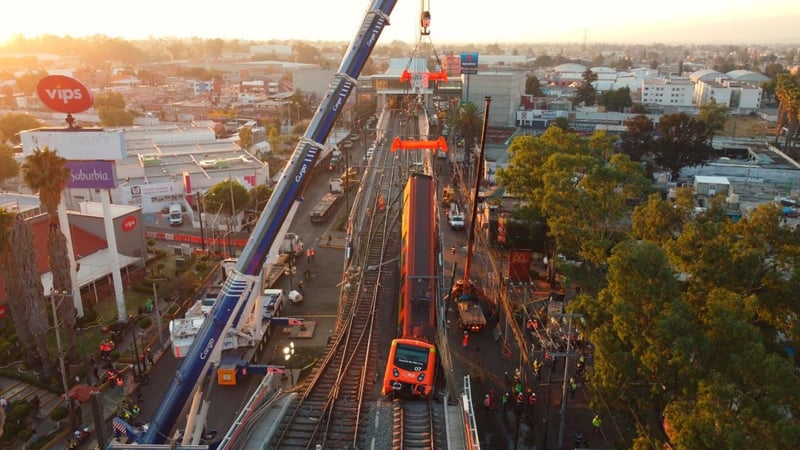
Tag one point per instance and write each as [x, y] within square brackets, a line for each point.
[91, 174]
[64, 94]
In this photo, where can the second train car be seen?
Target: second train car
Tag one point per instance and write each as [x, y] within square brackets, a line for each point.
[412, 361]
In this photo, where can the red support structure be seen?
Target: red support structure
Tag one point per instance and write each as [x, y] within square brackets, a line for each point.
[432, 76]
[398, 144]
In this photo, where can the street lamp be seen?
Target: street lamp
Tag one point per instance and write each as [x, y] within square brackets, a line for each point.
[288, 351]
[63, 294]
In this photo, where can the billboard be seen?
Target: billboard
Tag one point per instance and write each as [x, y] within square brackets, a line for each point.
[469, 63]
[64, 94]
[452, 65]
[76, 143]
[519, 264]
[92, 174]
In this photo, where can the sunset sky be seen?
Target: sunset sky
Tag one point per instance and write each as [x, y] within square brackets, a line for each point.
[460, 21]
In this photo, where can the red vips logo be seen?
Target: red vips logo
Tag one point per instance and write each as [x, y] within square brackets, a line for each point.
[129, 224]
[64, 94]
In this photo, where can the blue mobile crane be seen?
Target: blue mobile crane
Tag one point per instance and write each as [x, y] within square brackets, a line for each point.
[241, 284]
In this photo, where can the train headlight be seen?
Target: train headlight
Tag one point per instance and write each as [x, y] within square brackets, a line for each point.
[395, 372]
[421, 377]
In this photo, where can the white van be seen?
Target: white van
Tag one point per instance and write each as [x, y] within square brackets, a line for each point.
[175, 214]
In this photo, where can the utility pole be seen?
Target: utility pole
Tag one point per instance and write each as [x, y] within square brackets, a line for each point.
[564, 385]
[158, 312]
[200, 213]
[74, 420]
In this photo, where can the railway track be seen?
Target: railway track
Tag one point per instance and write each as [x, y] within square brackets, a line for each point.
[417, 425]
[333, 404]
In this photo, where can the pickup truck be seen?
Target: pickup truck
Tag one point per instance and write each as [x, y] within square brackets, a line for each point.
[455, 217]
[470, 312]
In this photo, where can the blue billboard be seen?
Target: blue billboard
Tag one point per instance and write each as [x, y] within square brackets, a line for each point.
[469, 63]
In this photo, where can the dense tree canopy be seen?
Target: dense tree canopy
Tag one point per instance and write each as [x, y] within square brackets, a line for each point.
[637, 140]
[258, 197]
[12, 123]
[714, 115]
[580, 187]
[9, 168]
[681, 141]
[533, 86]
[691, 326]
[586, 94]
[615, 100]
[228, 197]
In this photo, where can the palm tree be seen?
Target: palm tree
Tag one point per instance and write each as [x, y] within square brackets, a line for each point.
[469, 122]
[24, 288]
[45, 172]
[9, 269]
[788, 93]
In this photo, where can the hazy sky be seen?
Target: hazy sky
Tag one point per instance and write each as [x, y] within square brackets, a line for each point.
[629, 21]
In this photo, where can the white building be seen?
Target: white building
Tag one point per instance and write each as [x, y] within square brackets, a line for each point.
[667, 92]
[505, 88]
[170, 163]
[739, 97]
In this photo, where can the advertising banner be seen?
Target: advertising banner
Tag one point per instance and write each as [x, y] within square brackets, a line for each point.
[92, 174]
[519, 264]
[469, 63]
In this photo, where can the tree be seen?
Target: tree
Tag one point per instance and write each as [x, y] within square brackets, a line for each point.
[660, 220]
[616, 100]
[641, 330]
[544, 61]
[115, 117]
[586, 93]
[637, 140]
[682, 141]
[8, 165]
[12, 123]
[27, 82]
[227, 196]
[579, 186]
[533, 86]
[46, 173]
[788, 93]
[714, 115]
[561, 123]
[24, 288]
[468, 122]
[10, 270]
[701, 352]
[111, 110]
[258, 197]
[111, 100]
[245, 137]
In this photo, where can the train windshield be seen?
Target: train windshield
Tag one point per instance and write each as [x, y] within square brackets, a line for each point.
[411, 357]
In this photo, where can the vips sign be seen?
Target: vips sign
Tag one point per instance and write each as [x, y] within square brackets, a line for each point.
[64, 94]
[91, 174]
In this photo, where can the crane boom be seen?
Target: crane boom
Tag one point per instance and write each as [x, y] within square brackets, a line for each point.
[290, 186]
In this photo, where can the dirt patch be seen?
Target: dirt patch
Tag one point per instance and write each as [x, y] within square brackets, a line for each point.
[748, 126]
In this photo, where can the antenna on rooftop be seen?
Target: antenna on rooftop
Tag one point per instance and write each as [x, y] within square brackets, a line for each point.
[585, 33]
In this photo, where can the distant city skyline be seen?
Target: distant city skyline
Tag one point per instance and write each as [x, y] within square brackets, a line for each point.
[453, 21]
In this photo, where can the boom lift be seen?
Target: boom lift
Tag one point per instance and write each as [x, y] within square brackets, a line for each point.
[204, 352]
